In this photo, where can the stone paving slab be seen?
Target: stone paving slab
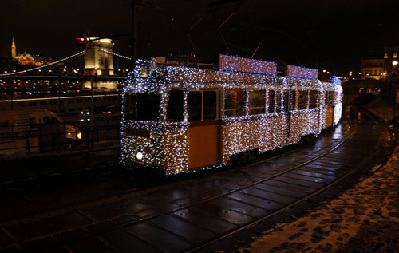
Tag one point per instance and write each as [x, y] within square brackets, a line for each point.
[199, 218]
[157, 237]
[191, 233]
[123, 242]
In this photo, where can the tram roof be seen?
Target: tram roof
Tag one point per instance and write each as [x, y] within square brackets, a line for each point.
[145, 79]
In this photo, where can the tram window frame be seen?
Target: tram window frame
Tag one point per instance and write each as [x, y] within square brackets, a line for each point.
[194, 100]
[279, 103]
[177, 99]
[209, 105]
[142, 106]
[286, 104]
[302, 99]
[335, 95]
[256, 102]
[330, 98]
[234, 102]
[313, 99]
[292, 100]
[271, 108]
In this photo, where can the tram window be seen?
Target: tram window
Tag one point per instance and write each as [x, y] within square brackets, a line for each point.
[209, 105]
[32, 103]
[326, 98]
[175, 105]
[286, 99]
[4, 126]
[53, 102]
[234, 103]
[194, 106]
[43, 102]
[302, 99]
[272, 101]
[313, 99]
[142, 106]
[292, 99]
[256, 101]
[32, 123]
[278, 102]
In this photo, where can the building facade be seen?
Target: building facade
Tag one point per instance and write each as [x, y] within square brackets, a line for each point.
[373, 69]
[381, 69]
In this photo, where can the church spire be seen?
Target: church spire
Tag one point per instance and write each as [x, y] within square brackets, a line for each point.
[13, 49]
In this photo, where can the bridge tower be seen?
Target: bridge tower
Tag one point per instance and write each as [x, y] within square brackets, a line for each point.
[98, 57]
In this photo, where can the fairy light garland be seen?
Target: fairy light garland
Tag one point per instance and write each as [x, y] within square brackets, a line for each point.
[115, 54]
[166, 144]
[302, 72]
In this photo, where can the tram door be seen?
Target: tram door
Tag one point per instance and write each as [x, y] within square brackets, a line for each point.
[204, 128]
[329, 102]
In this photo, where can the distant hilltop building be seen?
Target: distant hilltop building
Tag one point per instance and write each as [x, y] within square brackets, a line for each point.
[98, 57]
[25, 58]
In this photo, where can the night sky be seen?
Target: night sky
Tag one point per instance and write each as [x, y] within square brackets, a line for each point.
[322, 34]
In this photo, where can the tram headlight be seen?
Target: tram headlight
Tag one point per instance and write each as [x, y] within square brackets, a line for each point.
[139, 156]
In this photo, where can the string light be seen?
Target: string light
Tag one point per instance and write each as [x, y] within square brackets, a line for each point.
[165, 144]
[115, 54]
[240, 64]
[302, 72]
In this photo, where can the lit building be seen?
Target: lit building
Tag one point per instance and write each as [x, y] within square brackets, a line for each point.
[98, 57]
[373, 69]
[381, 69]
[13, 49]
[25, 58]
[391, 59]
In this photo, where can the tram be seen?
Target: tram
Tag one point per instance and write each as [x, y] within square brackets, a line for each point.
[182, 119]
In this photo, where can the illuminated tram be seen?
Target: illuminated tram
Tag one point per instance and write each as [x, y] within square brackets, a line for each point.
[182, 119]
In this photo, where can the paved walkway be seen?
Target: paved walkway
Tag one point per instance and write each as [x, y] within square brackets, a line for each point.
[363, 219]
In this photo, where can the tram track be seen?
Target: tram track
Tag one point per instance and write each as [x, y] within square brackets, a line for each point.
[150, 219]
[307, 197]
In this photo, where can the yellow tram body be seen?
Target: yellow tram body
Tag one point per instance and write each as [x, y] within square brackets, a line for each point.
[181, 119]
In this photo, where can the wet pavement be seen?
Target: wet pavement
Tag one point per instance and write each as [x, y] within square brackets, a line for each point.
[205, 212]
[363, 219]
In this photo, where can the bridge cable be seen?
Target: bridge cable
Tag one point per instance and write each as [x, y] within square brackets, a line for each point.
[44, 66]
